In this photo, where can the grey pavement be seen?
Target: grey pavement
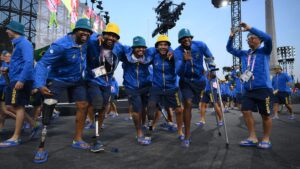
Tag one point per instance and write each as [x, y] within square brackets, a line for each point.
[207, 151]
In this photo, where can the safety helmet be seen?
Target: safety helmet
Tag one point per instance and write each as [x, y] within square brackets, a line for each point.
[83, 23]
[162, 38]
[16, 27]
[139, 41]
[112, 28]
[278, 67]
[184, 33]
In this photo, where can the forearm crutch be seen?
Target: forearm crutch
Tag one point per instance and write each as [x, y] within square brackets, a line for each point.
[209, 63]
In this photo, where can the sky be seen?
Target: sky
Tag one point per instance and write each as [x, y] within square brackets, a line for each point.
[206, 23]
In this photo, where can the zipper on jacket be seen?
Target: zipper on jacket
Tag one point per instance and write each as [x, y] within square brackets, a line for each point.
[137, 74]
[80, 58]
[163, 70]
[192, 69]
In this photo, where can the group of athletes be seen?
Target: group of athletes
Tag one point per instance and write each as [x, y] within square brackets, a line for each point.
[82, 64]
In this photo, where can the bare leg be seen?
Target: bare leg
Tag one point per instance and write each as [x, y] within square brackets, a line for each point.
[250, 125]
[80, 119]
[187, 115]
[267, 126]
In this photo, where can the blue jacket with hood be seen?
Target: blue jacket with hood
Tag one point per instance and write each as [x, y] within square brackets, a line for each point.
[193, 70]
[164, 76]
[136, 74]
[261, 71]
[21, 62]
[66, 59]
[279, 82]
[94, 60]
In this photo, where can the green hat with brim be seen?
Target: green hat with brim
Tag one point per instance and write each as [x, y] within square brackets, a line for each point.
[138, 41]
[83, 23]
[16, 27]
[184, 33]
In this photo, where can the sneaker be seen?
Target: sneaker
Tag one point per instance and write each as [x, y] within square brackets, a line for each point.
[291, 117]
[89, 125]
[97, 147]
[26, 125]
[200, 123]
[144, 128]
[164, 126]
[144, 140]
[275, 118]
[181, 137]
[220, 123]
[55, 114]
[185, 143]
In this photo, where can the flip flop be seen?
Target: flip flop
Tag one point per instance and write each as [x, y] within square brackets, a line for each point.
[200, 123]
[40, 157]
[181, 137]
[10, 143]
[248, 143]
[264, 145]
[80, 145]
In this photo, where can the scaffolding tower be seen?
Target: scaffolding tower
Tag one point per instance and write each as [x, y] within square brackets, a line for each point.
[235, 22]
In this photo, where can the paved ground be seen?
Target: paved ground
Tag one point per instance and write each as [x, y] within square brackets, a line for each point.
[206, 152]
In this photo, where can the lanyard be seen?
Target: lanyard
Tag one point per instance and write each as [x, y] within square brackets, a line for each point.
[249, 60]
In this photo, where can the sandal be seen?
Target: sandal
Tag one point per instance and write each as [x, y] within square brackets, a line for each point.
[248, 143]
[40, 157]
[264, 145]
[80, 145]
[10, 143]
[200, 123]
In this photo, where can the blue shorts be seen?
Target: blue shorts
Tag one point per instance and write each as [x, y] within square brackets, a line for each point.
[138, 98]
[168, 98]
[207, 97]
[98, 96]
[2, 92]
[258, 98]
[36, 99]
[18, 97]
[282, 98]
[239, 98]
[74, 91]
[191, 90]
[225, 97]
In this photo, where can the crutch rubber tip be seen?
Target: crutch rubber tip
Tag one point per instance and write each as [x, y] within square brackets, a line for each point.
[227, 145]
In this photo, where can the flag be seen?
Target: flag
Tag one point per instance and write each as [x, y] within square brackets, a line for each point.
[52, 5]
[40, 52]
[67, 3]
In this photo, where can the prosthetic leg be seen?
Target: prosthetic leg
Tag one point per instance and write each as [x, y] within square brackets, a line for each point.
[211, 68]
[97, 145]
[41, 155]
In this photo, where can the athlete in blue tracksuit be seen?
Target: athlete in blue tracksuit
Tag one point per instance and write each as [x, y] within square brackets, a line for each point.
[164, 91]
[238, 87]
[189, 58]
[67, 58]
[258, 88]
[281, 83]
[3, 85]
[207, 97]
[102, 60]
[20, 79]
[137, 82]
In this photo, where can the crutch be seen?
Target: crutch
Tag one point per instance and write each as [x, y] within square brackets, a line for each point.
[208, 63]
